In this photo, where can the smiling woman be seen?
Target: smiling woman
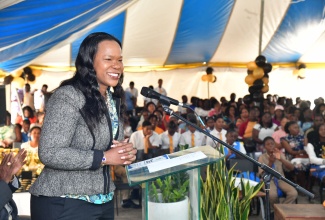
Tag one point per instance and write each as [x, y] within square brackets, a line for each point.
[82, 136]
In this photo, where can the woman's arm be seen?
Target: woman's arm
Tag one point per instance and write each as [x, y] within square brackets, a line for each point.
[255, 136]
[312, 156]
[288, 148]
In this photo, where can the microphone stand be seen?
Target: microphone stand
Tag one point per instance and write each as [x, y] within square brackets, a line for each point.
[268, 171]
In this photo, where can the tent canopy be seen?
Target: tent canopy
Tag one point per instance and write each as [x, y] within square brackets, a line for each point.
[164, 33]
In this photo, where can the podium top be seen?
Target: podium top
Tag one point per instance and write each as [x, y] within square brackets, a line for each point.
[171, 163]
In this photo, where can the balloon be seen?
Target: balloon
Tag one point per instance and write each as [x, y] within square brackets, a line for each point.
[253, 89]
[210, 77]
[295, 72]
[37, 72]
[8, 79]
[267, 68]
[251, 65]
[247, 99]
[258, 83]
[249, 79]
[260, 60]
[18, 82]
[204, 78]
[265, 80]
[209, 70]
[302, 73]
[265, 89]
[258, 73]
[30, 77]
[17, 73]
[214, 79]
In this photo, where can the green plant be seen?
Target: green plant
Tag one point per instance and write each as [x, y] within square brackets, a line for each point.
[221, 199]
[172, 188]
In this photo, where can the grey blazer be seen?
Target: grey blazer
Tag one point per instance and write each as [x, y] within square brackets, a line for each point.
[72, 154]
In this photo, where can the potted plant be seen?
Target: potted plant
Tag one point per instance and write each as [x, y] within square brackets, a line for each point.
[221, 199]
[167, 195]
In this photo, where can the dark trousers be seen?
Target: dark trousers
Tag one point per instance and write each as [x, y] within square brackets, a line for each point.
[57, 208]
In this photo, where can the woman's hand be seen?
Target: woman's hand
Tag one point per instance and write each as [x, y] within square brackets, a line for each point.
[121, 153]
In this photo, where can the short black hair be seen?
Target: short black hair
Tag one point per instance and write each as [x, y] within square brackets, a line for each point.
[266, 139]
[145, 124]
[286, 127]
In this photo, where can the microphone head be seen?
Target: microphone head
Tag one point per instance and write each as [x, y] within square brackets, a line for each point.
[145, 91]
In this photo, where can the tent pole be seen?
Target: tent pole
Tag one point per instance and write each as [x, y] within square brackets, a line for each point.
[261, 28]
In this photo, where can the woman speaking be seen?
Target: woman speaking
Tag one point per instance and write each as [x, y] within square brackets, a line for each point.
[82, 136]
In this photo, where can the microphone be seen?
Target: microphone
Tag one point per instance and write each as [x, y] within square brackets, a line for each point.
[149, 93]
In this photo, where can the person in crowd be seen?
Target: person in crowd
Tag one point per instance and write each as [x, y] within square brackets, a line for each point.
[231, 139]
[230, 116]
[203, 108]
[127, 126]
[25, 131]
[305, 120]
[311, 132]
[40, 118]
[181, 109]
[9, 183]
[28, 97]
[243, 117]
[8, 132]
[280, 133]
[218, 132]
[82, 136]
[151, 107]
[232, 100]
[129, 103]
[262, 130]
[144, 117]
[18, 128]
[216, 109]
[161, 119]
[278, 114]
[320, 109]
[192, 137]
[160, 89]
[246, 131]
[134, 93]
[146, 141]
[272, 106]
[170, 139]
[316, 153]
[39, 98]
[210, 123]
[276, 160]
[28, 113]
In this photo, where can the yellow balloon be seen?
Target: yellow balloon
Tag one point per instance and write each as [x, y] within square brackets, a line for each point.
[265, 89]
[204, 78]
[17, 73]
[251, 65]
[258, 73]
[249, 79]
[37, 72]
[18, 82]
[265, 80]
[295, 72]
[302, 73]
[210, 77]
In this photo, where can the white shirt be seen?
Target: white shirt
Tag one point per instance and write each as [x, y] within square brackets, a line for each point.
[186, 138]
[161, 90]
[265, 132]
[164, 137]
[38, 99]
[133, 91]
[137, 139]
[217, 134]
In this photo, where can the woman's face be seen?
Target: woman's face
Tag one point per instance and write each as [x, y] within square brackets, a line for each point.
[151, 108]
[283, 122]
[26, 113]
[266, 118]
[108, 64]
[35, 134]
[294, 129]
[244, 113]
[232, 111]
[322, 131]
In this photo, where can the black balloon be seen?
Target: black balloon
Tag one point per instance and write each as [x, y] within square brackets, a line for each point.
[260, 61]
[247, 99]
[258, 83]
[253, 89]
[267, 68]
[30, 77]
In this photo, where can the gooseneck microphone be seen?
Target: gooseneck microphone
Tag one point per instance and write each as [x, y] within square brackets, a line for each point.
[149, 93]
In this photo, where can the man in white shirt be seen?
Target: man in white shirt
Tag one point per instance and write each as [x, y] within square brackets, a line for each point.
[146, 141]
[160, 89]
[218, 132]
[170, 139]
[134, 93]
[192, 137]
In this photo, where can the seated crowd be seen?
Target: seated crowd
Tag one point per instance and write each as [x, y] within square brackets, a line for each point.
[290, 137]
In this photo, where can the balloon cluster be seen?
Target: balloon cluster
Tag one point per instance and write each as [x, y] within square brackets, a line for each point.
[300, 72]
[209, 77]
[18, 78]
[257, 77]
